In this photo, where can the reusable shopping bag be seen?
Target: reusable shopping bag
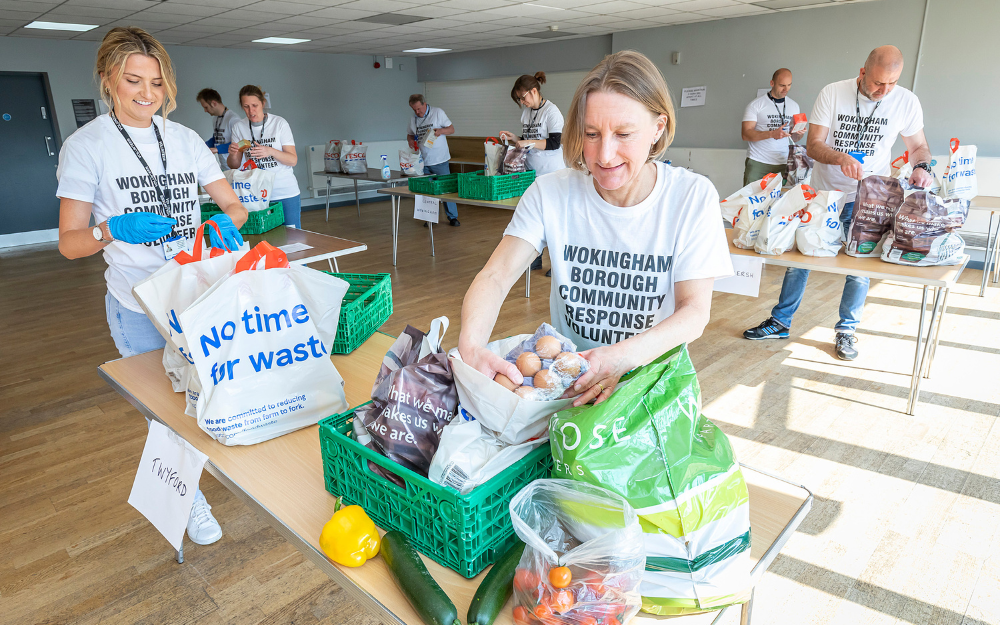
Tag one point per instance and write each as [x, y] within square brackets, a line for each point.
[494, 156]
[411, 163]
[960, 178]
[877, 200]
[923, 231]
[583, 557]
[354, 157]
[650, 443]
[800, 166]
[758, 195]
[331, 157]
[260, 340]
[900, 167]
[777, 232]
[252, 185]
[820, 231]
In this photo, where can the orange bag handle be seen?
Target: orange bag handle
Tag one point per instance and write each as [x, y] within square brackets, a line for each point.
[262, 256]
[905, 158]
[809, 192]
[184, 258]
[250, 164]
[766, 180]
[954, 144]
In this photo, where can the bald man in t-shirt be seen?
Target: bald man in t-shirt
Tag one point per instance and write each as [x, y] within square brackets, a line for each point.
[766, 125]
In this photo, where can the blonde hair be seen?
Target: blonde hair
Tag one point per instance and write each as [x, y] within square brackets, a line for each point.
[121, 43]
[628, 73]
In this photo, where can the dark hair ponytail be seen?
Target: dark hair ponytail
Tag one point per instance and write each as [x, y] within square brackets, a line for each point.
[253, 90]
[526, 83]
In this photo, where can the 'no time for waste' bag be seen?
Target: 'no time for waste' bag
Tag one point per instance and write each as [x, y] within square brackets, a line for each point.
[650, 444]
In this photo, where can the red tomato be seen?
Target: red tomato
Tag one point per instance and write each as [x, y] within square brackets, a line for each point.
[543, 611]
[563, 601]
[611, 621]
[560, 577]
[584, 619]
[525, 580]
[522, 616]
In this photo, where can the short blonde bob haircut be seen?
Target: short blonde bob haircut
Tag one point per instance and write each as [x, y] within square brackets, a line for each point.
[628, 73]
[121, 43]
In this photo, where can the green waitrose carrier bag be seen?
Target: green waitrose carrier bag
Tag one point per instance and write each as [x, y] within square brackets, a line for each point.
[650, 444]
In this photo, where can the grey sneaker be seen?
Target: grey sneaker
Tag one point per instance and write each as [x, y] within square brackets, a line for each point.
[845, 346]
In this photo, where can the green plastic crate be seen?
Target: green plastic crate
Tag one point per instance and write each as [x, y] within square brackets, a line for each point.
[258, 222]
[366, 307]
[434, 185]
[465, 533]
[477, 185]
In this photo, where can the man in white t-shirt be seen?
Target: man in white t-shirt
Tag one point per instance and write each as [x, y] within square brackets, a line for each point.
[222, 121]
[852, 129]
[428, 132]
[766, 126]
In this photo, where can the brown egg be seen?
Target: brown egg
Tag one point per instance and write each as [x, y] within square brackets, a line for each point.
[568, 363]
[524, 392]
[546, 380]
[528, 364]
[548, 347]
[504, 381]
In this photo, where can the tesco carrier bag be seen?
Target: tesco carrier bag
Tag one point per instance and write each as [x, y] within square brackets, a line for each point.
[820, 230]
[260, 340]
[354, 157]
[252, 185]
[411, 163]
[331, 157]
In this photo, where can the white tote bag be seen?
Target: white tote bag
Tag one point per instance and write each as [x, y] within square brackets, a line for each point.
[777, 231]
[411, 163]
[758, 194]
[331, 157]
[260, 339]
[960, 177]
[252, 185]
[820, 232]
[354, 157]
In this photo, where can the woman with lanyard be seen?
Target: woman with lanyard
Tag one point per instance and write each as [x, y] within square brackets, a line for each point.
[541, 129]
[637, 244]
[265, 132]
[137, 175]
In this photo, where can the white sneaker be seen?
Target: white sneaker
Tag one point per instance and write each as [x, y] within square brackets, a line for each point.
[203, 529]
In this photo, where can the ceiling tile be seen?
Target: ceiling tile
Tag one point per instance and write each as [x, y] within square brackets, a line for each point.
[9, 24]
[281, 7]
[188, 11]
[736, 11]
[440, 23]
[225, 23]
[470, 5]
[228, 4]
[163, 18]
[358, 27]
[431, 10]
[33, 33]
[307, 20]
[649, 13]
[341, 13]
[193, 29]
[27, 16]
[613, 6]
[326, 30]
[28, 7]
[699, 5]
[516, 21]
[595, 20]
[380, 6]
[474, 27]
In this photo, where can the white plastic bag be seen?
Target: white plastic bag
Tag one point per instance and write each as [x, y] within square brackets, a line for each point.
[592, 532]
[777, 231]
[820, 231]
[354, 157]
[901, 168]
[331, 158]
[960, 178]
[758, 194]
[252, 185]
[411, 163]
[494, 156]
[260, 339]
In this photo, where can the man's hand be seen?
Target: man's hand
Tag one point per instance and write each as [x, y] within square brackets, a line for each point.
[438, 132]
[920, 178]
[778, 133]
[214, 150]
[851, 167]
[797, 136]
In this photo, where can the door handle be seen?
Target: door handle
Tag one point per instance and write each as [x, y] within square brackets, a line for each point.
[47, 148]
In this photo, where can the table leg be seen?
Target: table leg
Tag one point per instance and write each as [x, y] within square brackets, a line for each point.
[334, 267]
[922, 355]
[527, 282]
[996, 250]
[395, 202]
[747, 609]
[986, 256]
[328, 188]
[937, 334]
[916, 355]
[357, 199]
[180, 554]
[430, 227]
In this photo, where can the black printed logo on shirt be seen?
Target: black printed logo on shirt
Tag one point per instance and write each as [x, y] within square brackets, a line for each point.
[136, 194]
[845, 135]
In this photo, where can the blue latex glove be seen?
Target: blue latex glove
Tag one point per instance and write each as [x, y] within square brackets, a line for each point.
[223, 148]
[231, 238]
[140, 227]
[210, 142]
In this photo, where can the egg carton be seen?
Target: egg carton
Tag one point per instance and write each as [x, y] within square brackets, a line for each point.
[549, 363]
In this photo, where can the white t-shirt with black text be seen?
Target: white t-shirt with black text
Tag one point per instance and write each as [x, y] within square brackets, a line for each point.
[539, 124]
[614, 268]
[898, 114]
[96, 165]
[420, 126]
[769, 115]
[222, 127]
[276, 133]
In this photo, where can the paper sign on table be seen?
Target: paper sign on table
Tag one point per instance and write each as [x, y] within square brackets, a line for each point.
[693, 96]
[426, 208]
[291, 248]
[746, 280]
[167, 481]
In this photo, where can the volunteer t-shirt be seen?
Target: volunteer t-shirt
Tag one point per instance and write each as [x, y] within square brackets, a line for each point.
[96, 165]
[275, 134]
[614, 268]
[767, 114]
[222, 127]
[898, 114]
[420, 126]
[539, 124]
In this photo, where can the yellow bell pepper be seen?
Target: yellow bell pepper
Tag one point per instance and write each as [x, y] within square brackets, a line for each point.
[350, 537]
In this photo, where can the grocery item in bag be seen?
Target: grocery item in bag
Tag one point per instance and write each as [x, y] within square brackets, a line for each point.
[331, 157]
[413, 399]
[960, 178]
[800, 166]
[583, 558]
[515, 159]
[549, 363]
[411, 163]
[923, 231]
[650, 443]
[494, 156]
[252, 185]
[354, 157]
[777, 232]
[878, 199]
[260, 340]
[820, 230]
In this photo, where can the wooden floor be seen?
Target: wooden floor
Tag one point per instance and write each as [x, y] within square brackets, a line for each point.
[904, 528]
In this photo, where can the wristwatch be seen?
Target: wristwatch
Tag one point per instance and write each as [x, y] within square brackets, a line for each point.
[99, 233]
[924, 166]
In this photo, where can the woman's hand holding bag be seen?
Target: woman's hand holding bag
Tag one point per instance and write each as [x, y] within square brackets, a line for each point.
[228, 237]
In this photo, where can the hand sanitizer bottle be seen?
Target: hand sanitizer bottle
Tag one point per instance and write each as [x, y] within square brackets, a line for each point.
[385, 168]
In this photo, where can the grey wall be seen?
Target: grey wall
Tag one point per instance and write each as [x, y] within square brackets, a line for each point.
[323, 96]
[552, 56]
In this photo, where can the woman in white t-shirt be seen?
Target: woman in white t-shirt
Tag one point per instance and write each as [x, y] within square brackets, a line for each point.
[137, 175]
[541, 125]
[636, 245]
[271, 147]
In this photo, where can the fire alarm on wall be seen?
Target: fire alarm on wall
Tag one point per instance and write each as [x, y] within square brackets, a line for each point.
[376, 63]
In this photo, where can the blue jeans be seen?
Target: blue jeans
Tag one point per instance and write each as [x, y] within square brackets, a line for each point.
[852, 301]
[441, 169]
[292, 207]
[133, 332]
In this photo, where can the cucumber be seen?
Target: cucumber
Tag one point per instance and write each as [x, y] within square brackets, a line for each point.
[430, 602]
[496, 588]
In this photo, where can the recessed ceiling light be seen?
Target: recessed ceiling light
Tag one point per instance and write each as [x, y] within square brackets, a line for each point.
[542, 6]
[81, 28]
[282, 40]
[392, 19]
[428, 50]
